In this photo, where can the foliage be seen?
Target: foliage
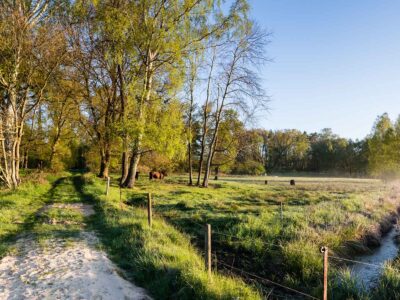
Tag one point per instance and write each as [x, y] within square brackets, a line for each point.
[291, 150]
[383, 145]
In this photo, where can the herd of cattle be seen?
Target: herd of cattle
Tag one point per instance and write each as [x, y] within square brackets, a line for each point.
[153, 175]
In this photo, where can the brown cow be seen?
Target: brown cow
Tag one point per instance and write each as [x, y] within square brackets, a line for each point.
[155, 175]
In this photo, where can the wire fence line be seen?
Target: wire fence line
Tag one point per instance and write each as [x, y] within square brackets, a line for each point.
[355, 261]
[267, 280]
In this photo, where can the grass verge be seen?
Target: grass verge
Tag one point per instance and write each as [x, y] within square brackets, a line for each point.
[161, 259]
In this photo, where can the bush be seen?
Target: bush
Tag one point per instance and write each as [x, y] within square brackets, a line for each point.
[249, 168]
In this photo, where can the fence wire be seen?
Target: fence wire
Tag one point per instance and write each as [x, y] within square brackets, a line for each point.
[268, 281]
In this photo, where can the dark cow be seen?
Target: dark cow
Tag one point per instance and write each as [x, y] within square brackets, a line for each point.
[157, 175]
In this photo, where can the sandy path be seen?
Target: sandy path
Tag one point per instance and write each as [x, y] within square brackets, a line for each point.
[63, 270]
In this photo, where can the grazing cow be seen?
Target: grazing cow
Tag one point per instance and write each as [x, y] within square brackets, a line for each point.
[137, 175]
[292, 182]
[155, 175]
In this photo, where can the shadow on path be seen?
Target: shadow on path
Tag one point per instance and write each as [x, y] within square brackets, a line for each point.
[32, 223]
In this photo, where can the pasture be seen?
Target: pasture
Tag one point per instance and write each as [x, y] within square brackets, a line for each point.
[273, 231]
[276, 230]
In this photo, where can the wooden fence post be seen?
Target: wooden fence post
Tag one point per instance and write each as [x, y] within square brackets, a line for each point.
[208, 248]
[324, 250]
[149, 213]
[108, 185]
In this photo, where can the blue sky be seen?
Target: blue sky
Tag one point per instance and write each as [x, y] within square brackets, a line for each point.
[336, 63]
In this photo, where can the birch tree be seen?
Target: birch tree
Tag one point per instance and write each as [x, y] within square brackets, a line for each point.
[237, 84]
[31, 49]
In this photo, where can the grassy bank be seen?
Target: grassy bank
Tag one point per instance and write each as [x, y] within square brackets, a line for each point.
[18, 208]
[161, 259]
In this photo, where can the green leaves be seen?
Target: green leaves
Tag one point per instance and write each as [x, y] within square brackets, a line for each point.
[383, 145]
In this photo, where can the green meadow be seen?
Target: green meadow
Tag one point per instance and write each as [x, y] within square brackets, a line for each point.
[272, 231]
[275, 231]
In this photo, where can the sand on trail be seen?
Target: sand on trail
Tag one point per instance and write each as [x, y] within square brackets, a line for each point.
[86, 209]
[62, 269]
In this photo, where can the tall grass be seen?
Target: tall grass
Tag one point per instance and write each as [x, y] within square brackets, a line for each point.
[389, 283]
[18, 208]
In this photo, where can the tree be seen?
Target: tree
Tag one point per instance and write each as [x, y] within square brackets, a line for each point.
[163, 35]
[62, 114]
[228, 142]
[251, 158]
[236, 84]
[192, 77]
[97, 69]
[31, 49]
[206, 110]
[383, 145]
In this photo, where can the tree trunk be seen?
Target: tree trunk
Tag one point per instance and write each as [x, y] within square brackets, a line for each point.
[53, 148]
[104, 163]
[134, 162]
[124, 156]
[25, 159]
[216, 172]
[201, 159]
[124, 166]
[11, 133]
[190, 163]
[208, 164]
[205, 118]
[189, 145]
[212, 145]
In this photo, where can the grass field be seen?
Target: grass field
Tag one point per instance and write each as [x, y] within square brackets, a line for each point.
[250, 231]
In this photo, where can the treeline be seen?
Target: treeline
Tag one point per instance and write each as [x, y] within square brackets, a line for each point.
[117, 85]
[128, 86]
[265, 151]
